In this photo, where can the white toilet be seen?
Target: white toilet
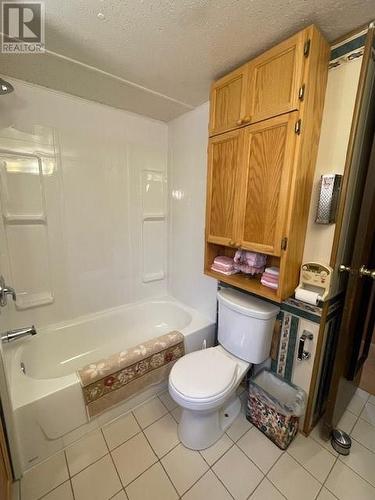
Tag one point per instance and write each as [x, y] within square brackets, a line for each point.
[204, 382]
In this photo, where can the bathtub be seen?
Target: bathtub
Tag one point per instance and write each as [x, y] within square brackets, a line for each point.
[48, 407]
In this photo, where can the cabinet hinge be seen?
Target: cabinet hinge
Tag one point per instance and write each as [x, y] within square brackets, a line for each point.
[306, 48]
[301, 92]
[284, 243]
[298, 126]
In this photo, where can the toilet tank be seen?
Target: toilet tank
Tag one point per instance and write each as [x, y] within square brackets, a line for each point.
[245, 325]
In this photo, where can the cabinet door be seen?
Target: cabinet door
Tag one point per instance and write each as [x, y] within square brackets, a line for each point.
[224, 158]
[275, 78]
[227, 102]
[268, 158]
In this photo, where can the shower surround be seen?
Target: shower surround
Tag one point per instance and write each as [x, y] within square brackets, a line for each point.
[84, 204]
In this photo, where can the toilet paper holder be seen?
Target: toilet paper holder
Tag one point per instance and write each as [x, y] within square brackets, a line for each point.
[315, 282]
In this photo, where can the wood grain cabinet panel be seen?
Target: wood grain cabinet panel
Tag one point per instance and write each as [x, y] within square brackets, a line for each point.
[224, 161]
[5, 469]
[228, 101]
[275, 78]
[268, 158]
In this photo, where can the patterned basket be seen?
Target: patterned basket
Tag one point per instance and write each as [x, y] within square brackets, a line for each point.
[267, 414]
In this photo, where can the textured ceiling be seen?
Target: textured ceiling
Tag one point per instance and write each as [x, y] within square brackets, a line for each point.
[172, 48]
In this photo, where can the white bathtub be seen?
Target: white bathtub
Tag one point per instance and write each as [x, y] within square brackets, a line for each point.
[45, 392]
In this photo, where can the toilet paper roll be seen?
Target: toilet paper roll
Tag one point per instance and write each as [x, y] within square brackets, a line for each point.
[307, 296]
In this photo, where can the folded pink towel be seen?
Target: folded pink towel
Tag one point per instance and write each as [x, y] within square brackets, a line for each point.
[223, 264]
[272, 270]
[270, 277]
[269, 284]
[221, 271]
[223, 260]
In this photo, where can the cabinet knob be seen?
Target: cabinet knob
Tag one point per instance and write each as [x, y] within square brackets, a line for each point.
[231, 243]
[238, 244]
[247, 119]
[239, 122]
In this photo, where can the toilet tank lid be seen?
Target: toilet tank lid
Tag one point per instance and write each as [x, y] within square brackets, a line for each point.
[247, 304]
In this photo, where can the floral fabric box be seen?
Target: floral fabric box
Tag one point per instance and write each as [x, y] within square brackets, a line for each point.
[274, 406]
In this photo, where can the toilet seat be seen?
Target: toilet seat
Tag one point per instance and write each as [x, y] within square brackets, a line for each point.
[204, 377]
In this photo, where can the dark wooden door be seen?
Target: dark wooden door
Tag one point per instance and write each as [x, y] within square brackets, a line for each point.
[354, 248]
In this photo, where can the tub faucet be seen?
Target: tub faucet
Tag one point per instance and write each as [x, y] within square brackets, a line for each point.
[18, 333]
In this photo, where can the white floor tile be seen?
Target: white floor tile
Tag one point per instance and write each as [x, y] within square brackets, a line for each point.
[162, 435]
[44, 477]
[98, 482]
[238, 473]
[184, 467]
[325, 495]
[345, 484]
[262, 451]
[147, 413]
[357, 403]
[365, 434]
[167, 401]
[176, 413]
[133, 457]
[239, 427]
[120, 430]
[347, 421]
[317, 460]
[217, 450]
[208, 487]
[362, 393]
[361, 460]
[62, 492]
[292, 480]
[315, 434]
[371, 399]
[120, 496]
[85, 452]
[152, 485]
[266, 491]
[368, 413]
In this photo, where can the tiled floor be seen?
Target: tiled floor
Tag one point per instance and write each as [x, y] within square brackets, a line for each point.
[367, 382]
[139, 457]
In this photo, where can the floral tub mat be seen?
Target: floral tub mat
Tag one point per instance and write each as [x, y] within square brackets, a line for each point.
[112, 380]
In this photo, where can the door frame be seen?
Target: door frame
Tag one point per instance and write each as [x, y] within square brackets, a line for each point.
[342, 386]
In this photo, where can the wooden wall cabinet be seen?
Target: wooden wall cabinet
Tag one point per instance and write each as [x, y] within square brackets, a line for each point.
[267, 166]
[224, 177]
[228, 101]
[276, 79]
[260, 173]
[267, 86]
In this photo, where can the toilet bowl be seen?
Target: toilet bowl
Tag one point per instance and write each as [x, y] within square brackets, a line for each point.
[204, 384]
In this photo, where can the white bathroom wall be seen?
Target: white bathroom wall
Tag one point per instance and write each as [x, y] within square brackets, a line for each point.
[99, 239]
[188, 136]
